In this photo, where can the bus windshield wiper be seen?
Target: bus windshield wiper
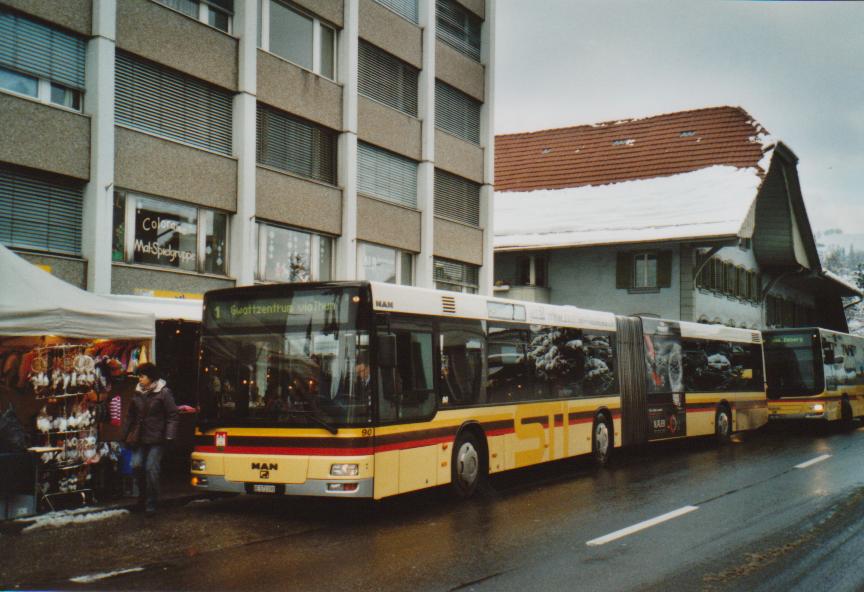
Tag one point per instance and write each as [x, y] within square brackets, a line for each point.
[315, 419]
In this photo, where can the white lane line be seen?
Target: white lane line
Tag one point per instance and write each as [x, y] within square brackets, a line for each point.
[641, 526]
[813, 461]
[102, 576]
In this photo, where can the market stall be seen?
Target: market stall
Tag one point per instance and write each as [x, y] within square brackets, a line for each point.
[65, 359]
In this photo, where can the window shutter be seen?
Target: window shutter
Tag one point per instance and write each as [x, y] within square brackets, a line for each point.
[387, 79]
[457, 198]
[458, 28]
[36, 214]
[386, 175]
[742, 283]
[404, 8]
[166, 103]
[664, 269]
[296, 146]
[34, 48]
[457, 113]
[624, 271]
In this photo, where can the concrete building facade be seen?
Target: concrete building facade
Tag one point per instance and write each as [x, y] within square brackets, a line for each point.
[163, 148]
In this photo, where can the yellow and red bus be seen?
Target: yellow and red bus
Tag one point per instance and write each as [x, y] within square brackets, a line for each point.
[814, 373]
[358, 389]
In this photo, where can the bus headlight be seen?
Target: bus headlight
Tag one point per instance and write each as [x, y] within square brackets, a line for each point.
[819, 407]
[199, 465]
[345, 470]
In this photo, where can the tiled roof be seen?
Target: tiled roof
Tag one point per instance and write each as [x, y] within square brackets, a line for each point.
[627, 150]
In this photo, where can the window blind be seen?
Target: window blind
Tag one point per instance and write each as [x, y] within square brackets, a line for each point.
[387, 79]
[35, 214]
[294, 145]
[386, 175]
[458, 28]
[404, 8]
[164, 102]
[456, 274]
[37, 49]
[457, 198]
[457, 113]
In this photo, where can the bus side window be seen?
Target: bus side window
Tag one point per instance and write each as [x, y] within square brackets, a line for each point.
[463, 353]
[510, 375]
[406, 390]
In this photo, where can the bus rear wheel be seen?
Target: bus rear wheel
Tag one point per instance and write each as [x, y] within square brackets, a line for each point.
[723, 425]
[601, 441]
[467, 467]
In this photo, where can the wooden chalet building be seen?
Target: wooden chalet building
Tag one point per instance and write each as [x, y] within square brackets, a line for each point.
[696, 215]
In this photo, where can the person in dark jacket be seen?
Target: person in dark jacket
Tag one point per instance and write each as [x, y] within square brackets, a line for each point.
[153, 415]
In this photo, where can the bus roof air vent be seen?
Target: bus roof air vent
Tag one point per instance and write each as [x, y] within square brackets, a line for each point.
[448, 304]
[756, 337]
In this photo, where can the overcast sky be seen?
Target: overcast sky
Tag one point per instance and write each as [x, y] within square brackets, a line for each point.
[797, 67]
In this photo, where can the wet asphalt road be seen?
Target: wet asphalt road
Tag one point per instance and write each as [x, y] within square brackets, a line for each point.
[750, 520]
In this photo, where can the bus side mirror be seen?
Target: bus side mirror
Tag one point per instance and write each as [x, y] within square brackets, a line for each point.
[387, 351]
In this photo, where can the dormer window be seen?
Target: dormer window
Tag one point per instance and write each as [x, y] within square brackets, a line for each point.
[623, 142]
[687, 134]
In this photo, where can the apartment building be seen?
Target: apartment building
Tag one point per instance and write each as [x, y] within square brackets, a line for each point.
[169, 147]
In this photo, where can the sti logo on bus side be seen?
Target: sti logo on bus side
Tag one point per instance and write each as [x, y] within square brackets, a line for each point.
[384, 303]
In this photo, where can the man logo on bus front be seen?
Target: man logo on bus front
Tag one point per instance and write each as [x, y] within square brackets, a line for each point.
[264, 474]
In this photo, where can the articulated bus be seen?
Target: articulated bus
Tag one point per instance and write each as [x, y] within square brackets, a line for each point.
[814, 373]
[356, 389]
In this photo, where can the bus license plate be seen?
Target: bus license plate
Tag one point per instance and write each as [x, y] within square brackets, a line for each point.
[263, 488]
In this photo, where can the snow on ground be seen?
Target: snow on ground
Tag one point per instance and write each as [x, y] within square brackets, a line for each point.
[65, 517]
[713, 201]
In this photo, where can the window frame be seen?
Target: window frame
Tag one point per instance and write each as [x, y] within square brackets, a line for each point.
[464, 287]
[129, 206]
[647, 255]
[203, 10]
[314, 252]
[317, 23]
[401, 256]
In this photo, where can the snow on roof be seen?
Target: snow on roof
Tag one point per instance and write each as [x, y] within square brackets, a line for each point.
[709, 202]
[844, 282]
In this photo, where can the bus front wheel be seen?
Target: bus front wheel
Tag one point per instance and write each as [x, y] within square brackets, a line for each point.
[723, 425]
[468, 469]
[601, 441]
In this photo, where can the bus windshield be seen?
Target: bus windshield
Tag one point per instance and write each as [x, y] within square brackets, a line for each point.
[793, 364]
[293, 357]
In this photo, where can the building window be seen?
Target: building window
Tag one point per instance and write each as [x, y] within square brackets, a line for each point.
[386, 175]
[290, 255]
[387, 79]
[645, 270]
[378, 263]
[297, 36]
[458, 27]
[532, 270]
[456, 277]
[457, 113]
[216, 13]
[457, 198]
[39, 214]
[166, 103]
[405, 8]
[40, 62]
[295, 145]
[169, 234]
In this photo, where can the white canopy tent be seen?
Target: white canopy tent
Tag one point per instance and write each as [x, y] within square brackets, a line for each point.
[34, 302]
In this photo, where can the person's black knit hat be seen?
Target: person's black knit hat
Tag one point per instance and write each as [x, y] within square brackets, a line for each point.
[149, 370]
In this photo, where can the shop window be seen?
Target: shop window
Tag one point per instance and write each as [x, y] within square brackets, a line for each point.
[169, 234]
[297, 36]
[289, 255]
[378, 263]
[41, 62]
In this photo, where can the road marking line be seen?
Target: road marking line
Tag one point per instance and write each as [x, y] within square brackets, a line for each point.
[101, 576]
[641, 526]
[813, 461]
